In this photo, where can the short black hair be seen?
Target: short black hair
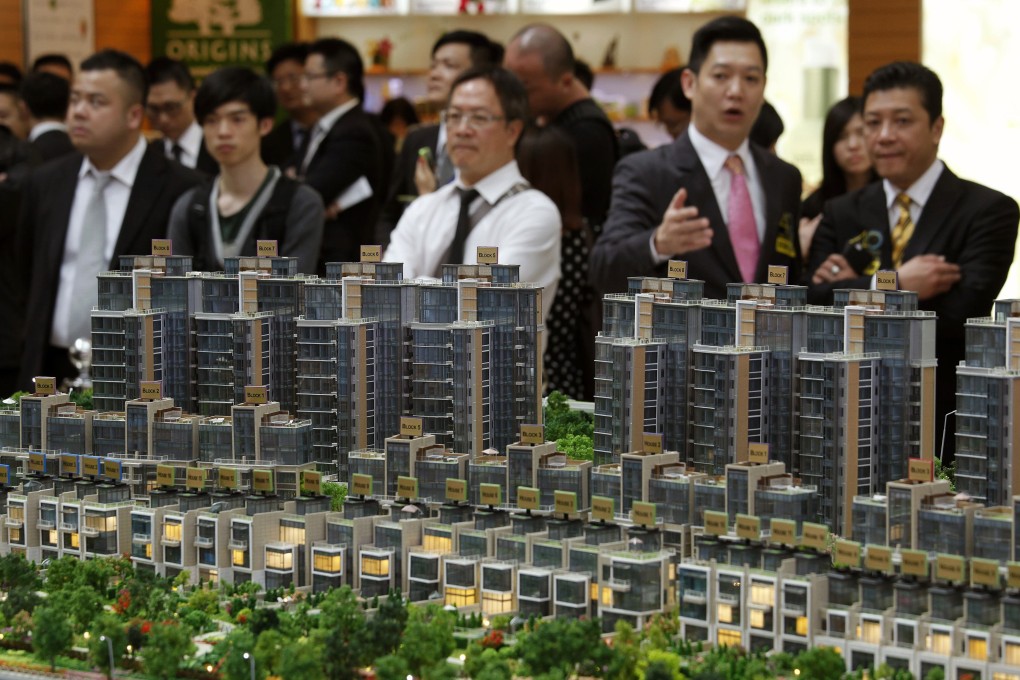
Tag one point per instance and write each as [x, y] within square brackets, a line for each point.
[398, 108]
[10, 70]
[908, 74]
[483, 51]
[339, 56]
[12, 90]
[296, 51]
[52, 59]
[235, 84]
[126, 67]
[553, 46]
[668, 86]
[166, 70]
[768, 127]
[584, 73]
[513, 98]
[725, 29]
[46, 95]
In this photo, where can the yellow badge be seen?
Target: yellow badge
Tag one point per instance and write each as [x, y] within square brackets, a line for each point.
[784, 240]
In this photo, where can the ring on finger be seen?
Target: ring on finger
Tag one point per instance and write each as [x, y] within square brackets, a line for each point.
[834, 269]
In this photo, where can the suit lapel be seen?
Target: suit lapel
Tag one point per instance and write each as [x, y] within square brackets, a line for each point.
[874, 216]
[67, 186]
[701, 194]
[945, 194]
[772, 190]
[144, 195]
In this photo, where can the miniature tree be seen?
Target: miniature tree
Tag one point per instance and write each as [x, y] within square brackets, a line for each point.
[302, 660]
[391, 667]
[168, 645]
[109, 626]
[428, 638]
[386, 628]
[341, 633]
[819, 663]
[52, 634]
[269, 650]
[236, 645]
[19, 579]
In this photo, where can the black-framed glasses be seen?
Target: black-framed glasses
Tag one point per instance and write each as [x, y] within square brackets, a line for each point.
[165, 109]
[475, 120]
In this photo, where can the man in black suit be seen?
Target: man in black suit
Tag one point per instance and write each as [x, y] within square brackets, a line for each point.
[170, 107]
[346, 157]
[285, 68]
[950, 240]
[45, 98]
[81, 212]
[416, 171]
[728, 207]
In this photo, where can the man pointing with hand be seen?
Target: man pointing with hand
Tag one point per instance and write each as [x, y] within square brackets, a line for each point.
[728, 207]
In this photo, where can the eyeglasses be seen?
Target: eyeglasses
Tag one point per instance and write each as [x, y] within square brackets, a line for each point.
[289, 79]
[476, 120]
[167, 109]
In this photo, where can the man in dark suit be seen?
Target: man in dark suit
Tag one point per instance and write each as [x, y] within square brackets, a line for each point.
[170, 107]
[454, 53]
[950, 240]
[45, 97]
[726, 206]
[285, 68]
[346, 157]
[81, 212]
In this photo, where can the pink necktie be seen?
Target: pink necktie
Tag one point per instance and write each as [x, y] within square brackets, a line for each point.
[743, 231]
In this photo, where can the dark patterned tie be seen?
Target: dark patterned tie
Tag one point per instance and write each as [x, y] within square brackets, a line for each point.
[467, 197]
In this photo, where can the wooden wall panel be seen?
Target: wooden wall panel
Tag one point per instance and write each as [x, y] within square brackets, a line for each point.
[11, 46]
[125, 25]
[880, 31]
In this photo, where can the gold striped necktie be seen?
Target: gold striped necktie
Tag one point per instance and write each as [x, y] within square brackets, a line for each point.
[902, 230]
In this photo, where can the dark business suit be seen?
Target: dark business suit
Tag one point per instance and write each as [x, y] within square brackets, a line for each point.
[643, 186]
[42, 231]
[969, 224]
[51, 144]
[402, 189]
[353, 147]
[278, 146]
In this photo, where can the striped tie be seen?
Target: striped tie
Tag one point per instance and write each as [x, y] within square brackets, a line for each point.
[902, 230]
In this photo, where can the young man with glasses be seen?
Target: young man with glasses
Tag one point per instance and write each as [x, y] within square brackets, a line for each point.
[488, 203]
[286, 67]
[170, 109]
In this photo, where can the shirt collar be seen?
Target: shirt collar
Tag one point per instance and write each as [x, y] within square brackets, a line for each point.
[44, 127]
[327, 121]
[920, 191]
[495, 184]
[713, 156]
[190, 141]
[127, 167]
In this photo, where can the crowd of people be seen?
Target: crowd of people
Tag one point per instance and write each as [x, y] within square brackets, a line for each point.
[521, 158]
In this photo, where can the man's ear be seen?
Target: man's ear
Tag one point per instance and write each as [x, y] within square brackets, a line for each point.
[688, 79]
[516, 128]
[936, 129]
[135, 114]
[265, 126]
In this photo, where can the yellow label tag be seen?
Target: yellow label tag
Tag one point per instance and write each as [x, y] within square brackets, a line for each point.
[151, 390]
[69, 464]
[814, 536]
[778, 275]
[532, 434]
[949, 568]
[1014, 575]
[256, 394]
[262, 480]
[112, 469]
[411, 427]
[677, 269]
[165, 475]
[651, 443]
[784, 532]
[228, 478]
[407, 487]
[37, 462]
[487, 255]
[371, 253]
[716, 523]
[90, 466]
[267, 249]
[758, 453]
[162, 247]
[886, 280]
[491, 494]
[643, 513]
[914, 563]
[784, 246]
[847, 553]
[361, 485]
[45, 385]
[527, 498]
[565, 502]
[984, 572]
[196, 478]
[921, 470]
[603, 508]
[311, 482]
[878, 559]
[456, 489]
[749, 527]
[5, 475]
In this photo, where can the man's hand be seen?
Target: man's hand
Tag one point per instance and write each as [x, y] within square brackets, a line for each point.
[424, 178]
[835, 268]
[681, 231]
[928, 275]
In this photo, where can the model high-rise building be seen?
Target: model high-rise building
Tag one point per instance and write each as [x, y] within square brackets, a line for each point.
[233, 351]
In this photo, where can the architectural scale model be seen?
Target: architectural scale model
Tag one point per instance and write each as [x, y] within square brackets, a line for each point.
[762, 466]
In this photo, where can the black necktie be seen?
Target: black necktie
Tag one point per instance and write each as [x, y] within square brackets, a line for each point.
[176, 152]
[467, 197]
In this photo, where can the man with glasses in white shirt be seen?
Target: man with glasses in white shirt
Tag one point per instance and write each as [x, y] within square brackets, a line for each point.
[489, 203]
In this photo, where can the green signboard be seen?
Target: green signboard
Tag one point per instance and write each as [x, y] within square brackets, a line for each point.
[212, 33]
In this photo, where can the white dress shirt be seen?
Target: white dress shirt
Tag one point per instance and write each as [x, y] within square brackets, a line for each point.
[117, 193]
[46, 126]
[919, 192]
[190, 143]
[525, 227]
